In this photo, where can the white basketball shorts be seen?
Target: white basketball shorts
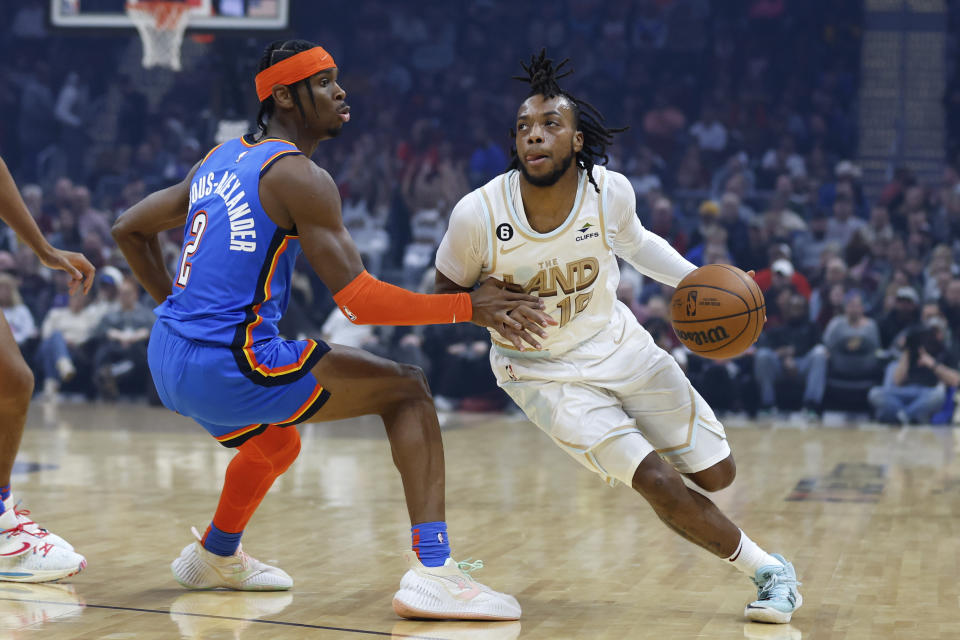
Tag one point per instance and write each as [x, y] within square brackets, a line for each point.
[612, 400]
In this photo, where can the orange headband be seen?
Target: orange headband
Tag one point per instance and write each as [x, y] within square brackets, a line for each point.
[293, 69]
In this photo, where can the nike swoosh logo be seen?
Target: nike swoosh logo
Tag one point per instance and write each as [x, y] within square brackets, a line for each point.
[26, 545]
[504, 251]
[472, 593]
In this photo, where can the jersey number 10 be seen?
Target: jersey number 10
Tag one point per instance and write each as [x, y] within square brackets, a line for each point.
[572, 305]
[197, 226]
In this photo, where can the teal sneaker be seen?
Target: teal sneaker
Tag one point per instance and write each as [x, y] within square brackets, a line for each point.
[777, 594]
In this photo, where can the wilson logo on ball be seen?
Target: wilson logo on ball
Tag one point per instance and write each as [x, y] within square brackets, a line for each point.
[710, 336]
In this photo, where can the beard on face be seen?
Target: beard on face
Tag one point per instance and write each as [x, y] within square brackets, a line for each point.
[551, 178]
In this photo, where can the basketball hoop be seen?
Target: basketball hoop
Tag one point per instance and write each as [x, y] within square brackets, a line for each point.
[161, 26]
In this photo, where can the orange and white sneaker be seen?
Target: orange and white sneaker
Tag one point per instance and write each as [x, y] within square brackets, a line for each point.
[197, 568]
[449, 593]
[27, 557]
[23, 517]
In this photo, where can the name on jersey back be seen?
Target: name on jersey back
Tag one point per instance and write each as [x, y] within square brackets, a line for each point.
[242, 233]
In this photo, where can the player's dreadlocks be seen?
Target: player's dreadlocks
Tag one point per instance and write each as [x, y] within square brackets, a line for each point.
[275, 52]
[543, 76]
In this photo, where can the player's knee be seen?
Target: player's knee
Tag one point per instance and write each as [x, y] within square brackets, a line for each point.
[658, 483]
[415, 382]
[17, 383]
[286, 455]
[719, 476]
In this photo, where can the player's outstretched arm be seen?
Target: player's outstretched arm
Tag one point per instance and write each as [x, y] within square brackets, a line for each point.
[14, 212]
[136, 233]
[298, 190]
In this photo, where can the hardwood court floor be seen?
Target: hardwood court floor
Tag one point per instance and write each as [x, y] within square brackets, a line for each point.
[870, 517]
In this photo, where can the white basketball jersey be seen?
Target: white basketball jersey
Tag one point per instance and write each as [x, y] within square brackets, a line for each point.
[573, 268]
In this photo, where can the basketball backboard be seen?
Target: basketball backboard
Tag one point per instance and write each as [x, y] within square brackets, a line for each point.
[240, 15]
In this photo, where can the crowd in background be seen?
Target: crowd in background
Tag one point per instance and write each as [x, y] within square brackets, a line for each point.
[739, 151]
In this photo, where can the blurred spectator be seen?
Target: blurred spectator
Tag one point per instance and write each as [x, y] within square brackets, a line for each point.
[843, 224]
[737, 232]
[65, 336]
[461, 365]
[835, 275]
[878, 229]
[915, 387]
[664, 224]
[17, 314]
[853, 342]
[782, 159]
[904, 314]
[781, 273]
[90, 221]
[107, 293]
[950, 304]
[791, 352]
[120, 362]
[709, 132]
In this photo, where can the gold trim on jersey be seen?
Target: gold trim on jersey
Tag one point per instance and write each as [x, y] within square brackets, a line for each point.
[550, 235]
[693, 419]
[600, 199]
[492, 236]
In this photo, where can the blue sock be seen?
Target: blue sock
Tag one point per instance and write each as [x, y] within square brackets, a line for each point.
[4, 494]
[221, 542]
[430, 543]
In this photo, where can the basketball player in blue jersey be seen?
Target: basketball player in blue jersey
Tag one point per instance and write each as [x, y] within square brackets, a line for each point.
[28, 552]
[600, 387]
[249, 207]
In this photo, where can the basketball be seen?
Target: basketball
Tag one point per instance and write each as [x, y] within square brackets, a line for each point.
[717, 311]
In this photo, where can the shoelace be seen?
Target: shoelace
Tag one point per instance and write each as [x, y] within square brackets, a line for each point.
[469, 567]
[24, 513]
[12, 531]
[777, 586]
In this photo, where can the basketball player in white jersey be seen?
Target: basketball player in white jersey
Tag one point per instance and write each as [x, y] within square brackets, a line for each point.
[554, 225]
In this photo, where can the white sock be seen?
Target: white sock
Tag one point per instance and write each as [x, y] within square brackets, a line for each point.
[749, 557]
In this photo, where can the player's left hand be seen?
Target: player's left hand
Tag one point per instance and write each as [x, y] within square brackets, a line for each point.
[78, 267]
[532, 321]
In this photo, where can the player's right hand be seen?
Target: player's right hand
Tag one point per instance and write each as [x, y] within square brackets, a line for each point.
[80, 270]
[493, 303]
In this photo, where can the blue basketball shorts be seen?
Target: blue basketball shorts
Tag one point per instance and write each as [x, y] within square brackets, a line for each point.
[234, 393]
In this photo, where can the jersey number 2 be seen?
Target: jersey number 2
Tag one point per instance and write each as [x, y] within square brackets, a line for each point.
[197, 226]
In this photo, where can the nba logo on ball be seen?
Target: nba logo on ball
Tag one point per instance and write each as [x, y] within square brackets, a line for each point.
[691, 303]
[726, 319]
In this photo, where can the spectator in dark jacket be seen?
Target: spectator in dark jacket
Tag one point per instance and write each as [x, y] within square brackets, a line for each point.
[792, 350]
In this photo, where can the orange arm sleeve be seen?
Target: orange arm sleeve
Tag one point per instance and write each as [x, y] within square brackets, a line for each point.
[367, 300]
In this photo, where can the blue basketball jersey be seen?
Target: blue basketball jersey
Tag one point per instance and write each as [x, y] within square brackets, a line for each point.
[233, 279]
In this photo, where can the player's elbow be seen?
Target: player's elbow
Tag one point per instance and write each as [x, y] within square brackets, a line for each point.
[120, 229]
[123, 230]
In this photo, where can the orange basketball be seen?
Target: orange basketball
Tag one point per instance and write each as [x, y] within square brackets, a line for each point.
[717, 311]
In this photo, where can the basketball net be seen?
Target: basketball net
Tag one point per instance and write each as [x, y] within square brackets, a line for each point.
[161, 26]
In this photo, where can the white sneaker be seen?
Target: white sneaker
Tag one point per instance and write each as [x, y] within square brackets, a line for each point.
[31, 527]
[66, 369]
[448, 592]
[197, 568]
[25, 557]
